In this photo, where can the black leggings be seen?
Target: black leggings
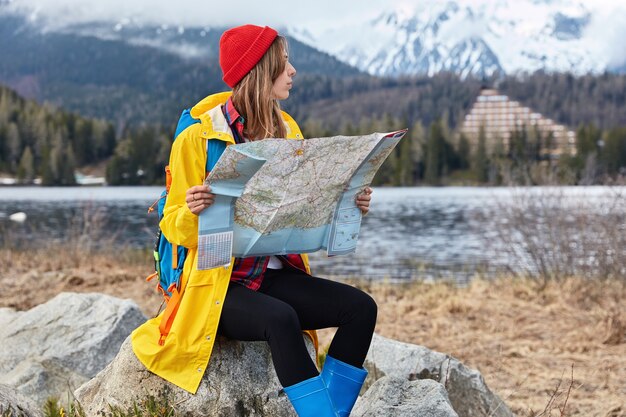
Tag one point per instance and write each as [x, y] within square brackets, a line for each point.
[287, 302]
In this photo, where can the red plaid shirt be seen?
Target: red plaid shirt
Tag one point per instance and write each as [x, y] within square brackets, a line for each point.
[250, 271]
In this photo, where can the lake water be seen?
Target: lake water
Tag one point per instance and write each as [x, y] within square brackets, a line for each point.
[410, 233]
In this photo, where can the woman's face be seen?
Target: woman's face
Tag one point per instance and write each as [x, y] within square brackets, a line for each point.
[284, 82]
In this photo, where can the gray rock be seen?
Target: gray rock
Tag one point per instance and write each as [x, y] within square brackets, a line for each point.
[14, 404]
[38, 375]
[50, 349]
[58, 345]
[239, 381]
[398, 397]
[468, 393]
[7, 315]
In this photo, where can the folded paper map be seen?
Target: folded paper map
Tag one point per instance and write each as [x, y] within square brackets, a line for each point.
[277, 196]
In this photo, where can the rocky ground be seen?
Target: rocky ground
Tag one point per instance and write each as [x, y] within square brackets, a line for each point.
[527, 341]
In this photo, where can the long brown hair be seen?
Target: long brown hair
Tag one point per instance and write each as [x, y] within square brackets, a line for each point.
[252, 96]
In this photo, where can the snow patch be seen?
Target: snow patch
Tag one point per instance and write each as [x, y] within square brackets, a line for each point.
[486, 35]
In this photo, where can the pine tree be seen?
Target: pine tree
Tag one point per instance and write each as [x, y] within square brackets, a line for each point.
[615, 151]
[434, 154]
[83, 143]
[26, 169]
[418, 144]
[481, 162]
[587, 139]
[67, 174]
[464, 151]
[47, 174]
[403, 175]
[585, 162]
[13, 146]
[114, 171]
[56, 160]
[110, 141]
[42, 126]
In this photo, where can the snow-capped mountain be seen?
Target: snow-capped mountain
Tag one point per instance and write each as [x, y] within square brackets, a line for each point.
[479, 37]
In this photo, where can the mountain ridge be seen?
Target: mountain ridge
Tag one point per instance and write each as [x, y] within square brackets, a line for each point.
[481, 38]
[114, 78]
[132, 84]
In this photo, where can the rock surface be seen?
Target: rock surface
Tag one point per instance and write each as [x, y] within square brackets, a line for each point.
[398, 397]
[57, 346]
[468, 393]
[239, 381]
[7, 315]
[51, 349]
[12, 403]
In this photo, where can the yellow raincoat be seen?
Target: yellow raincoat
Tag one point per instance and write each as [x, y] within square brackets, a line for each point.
[183, 355]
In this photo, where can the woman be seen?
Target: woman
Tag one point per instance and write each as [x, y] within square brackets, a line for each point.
[269, 298]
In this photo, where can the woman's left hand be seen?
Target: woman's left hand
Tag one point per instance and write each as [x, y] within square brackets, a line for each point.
[363, 200]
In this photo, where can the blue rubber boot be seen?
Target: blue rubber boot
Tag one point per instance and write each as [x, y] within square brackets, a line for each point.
[310, 398]
[344, 382]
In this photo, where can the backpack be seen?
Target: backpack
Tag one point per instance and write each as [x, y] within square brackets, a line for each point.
[169, 258]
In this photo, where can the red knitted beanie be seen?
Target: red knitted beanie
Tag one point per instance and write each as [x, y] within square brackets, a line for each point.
[241, 48]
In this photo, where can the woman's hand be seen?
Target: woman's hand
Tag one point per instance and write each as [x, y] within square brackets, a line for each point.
[363, 200]
[198, 198]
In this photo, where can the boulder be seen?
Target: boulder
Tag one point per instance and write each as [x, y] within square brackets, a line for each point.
[239, 381]
[57, 346]
[392, 396]
[12, 403]
[40, 377]
[51, 349]
[7, 315]
[468, 393]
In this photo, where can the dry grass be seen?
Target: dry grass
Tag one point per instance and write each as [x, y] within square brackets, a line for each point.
[33, 277]
[522, 338]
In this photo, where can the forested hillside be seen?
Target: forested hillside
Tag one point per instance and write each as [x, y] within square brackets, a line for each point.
[131, 84]
[125, 83]
[40, 141]
[569, 100]
[121, 102]
[597, 99]
[436, 155]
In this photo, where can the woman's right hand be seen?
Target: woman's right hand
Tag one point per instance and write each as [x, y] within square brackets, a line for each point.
[198, 198]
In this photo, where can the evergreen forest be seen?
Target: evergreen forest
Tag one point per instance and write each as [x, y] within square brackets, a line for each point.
[39, 140]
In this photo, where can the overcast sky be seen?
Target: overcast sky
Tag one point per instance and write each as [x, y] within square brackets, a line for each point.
[232, 12]
[211, 12]
[608, 27]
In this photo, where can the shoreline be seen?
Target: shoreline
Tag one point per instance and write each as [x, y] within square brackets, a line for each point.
[523, 339]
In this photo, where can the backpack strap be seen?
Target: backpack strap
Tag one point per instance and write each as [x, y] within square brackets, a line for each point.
[169, 314]
[184, 122]
[214, 149]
